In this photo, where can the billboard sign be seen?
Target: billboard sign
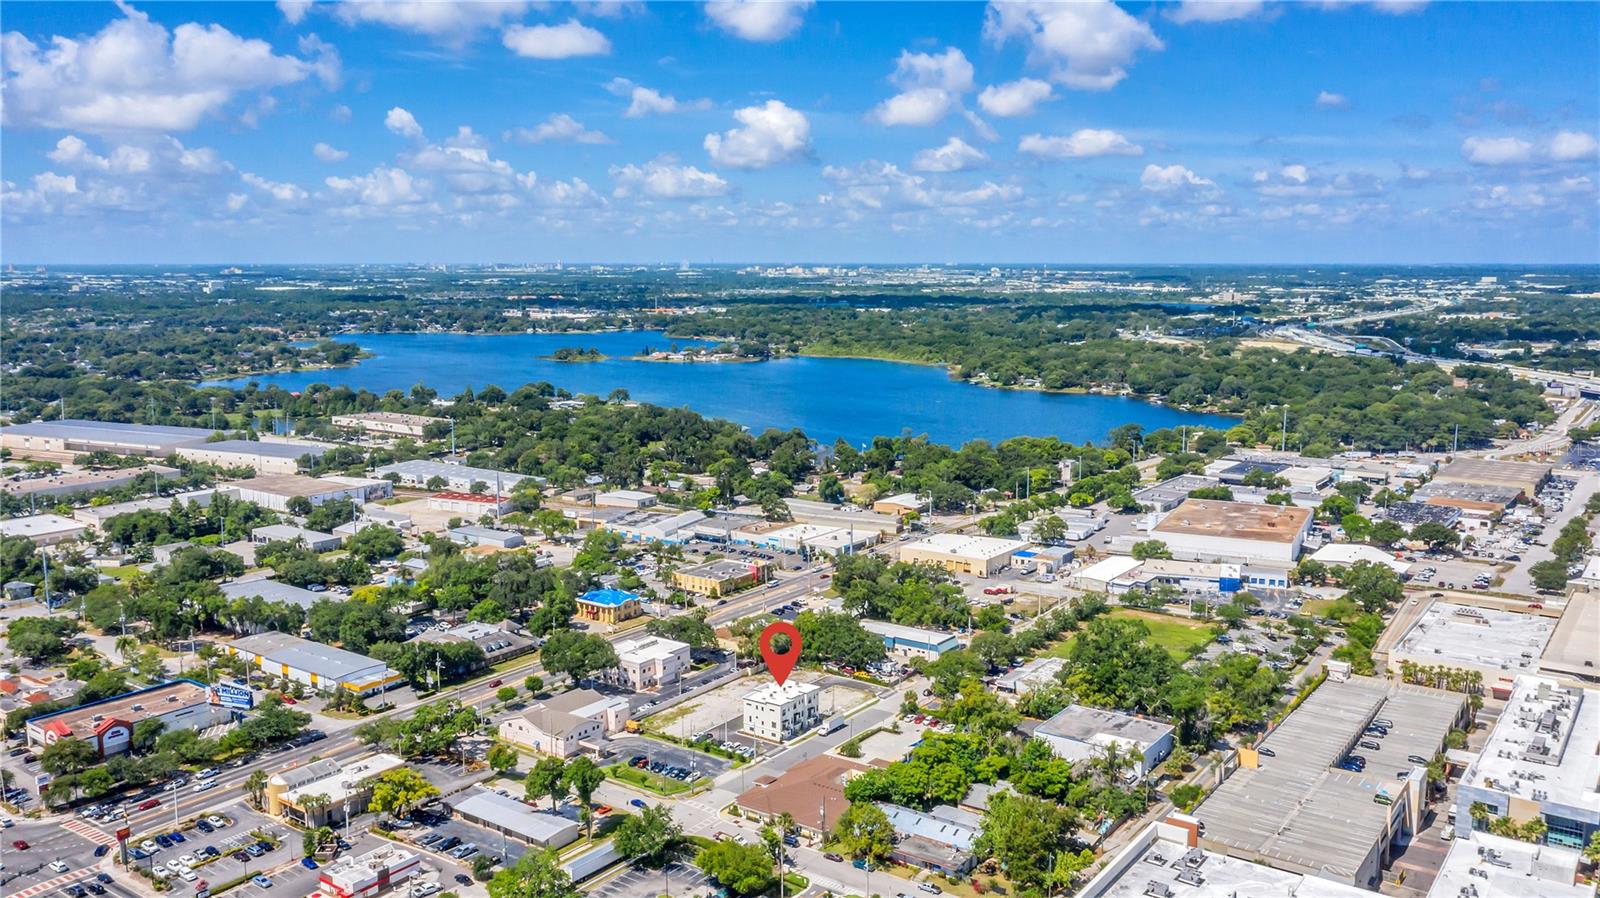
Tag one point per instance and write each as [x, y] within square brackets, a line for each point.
[230, 696]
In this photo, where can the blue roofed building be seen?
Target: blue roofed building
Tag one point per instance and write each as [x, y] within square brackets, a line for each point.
[608, 606]
[912, 641]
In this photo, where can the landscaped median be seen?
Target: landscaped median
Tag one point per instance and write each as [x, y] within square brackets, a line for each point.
[664, 786]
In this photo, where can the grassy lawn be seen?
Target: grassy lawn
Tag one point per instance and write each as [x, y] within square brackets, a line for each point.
[1317, 607]
[1175, 634]
[123, 573]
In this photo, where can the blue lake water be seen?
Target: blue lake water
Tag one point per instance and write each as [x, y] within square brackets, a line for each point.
[827, 398]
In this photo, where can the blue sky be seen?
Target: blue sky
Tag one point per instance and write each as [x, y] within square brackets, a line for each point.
[730, 132]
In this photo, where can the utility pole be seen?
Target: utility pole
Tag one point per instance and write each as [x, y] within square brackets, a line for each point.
[1283, 441]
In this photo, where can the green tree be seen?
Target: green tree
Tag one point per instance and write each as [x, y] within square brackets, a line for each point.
[537, 874]
[256, 785]
[864, 831]
[505, 694]
[1147, 549]
[650, 837]
[742, 869]
[397, 792]
[583, 776]
[547, 779]
[66, 757]
[534, 684]
[502, 757]
[578, 655]
[1549, 576]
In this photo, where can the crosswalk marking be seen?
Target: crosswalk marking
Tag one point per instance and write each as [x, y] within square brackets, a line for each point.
[93, 834]
[49, 884]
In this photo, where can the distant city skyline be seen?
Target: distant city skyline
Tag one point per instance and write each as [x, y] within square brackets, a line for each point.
[795, 132]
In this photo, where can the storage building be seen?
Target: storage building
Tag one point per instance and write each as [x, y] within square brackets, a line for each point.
[264, 457]
[979, 556]
[1209, 529]
[314, 664]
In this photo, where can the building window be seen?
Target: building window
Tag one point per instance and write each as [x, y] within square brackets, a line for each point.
[1564, 831]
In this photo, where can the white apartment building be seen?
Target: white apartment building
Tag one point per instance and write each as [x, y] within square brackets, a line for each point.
[651, 661]
[779, 713]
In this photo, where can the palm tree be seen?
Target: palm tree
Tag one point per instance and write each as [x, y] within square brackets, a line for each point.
[256, 785]
[126, 646]
[312, 804]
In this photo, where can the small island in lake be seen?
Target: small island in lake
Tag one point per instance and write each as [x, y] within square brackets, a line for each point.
[576, 354]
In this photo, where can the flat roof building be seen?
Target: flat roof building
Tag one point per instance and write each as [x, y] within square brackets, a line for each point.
[1410, 514]
[275, 490]
[1523, 477]
[1478, 502]
[1497, 644]
[1099, 576]
[1346, 554]
[98, 515]
[75, 482]
[1209, 529]
[1080, 733]
[721, 577]
[366, 875]
[473, 535]
[1540, 763]
[472, 505]
[900, 504]
[43, 529]
[341, 781]
[608, 606]
[651, 662]
[625, 499]
[271, 591]
[315, 540]
[913, 641]
[1170, 493]
[1481, 865]
[780, 713]
[314, 664]
[502, 814]
[1036, 674]
[808, 511]
[1295, 811]
[496, 642]
[939, 839]
[457, 478]
[392, 423]
[979, 556]
[108, 724]
[1570, 654]
[65, 438]
[263, 456]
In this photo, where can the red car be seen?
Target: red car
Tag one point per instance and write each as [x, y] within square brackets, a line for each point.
[20, 845]
[287, 699]
[497, 683]
[149, 803]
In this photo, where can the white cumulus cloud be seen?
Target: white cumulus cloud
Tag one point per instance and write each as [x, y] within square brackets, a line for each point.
[643, 101]
[560, 127]
[439, 19]
[1496, 150]
[954, 155]
[328, 153]
[768, 134]
[402, 123]
[1329, 100]
[564, 41]
[1571, 146]
[758, 20]
[661, 179]
[930, 85]
[1215, 10]
[135, 75]
[1016, 98]
[282, 191]
[1169, 178]
[1081, 144]
[1084, 45]
[383, 186]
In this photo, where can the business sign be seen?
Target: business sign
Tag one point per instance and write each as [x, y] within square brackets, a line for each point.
[229, 696]
[123, 834]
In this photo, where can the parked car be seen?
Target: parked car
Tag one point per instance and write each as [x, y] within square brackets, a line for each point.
[308, 863]
[261, 881]
[833, 856]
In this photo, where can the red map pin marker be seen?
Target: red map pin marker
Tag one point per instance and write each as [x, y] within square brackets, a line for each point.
[780, 664]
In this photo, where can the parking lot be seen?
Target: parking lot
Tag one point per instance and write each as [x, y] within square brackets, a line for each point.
[229, 851]
[676, 879]
[487, 842]
[700, 763]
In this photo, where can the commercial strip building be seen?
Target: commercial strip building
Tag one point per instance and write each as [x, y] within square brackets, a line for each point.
[721, 577]
[939, 839]
[496, 642]
[1479, 503]
[1569, 656]
[1170, 493]
[62, 440]
[1295, 811]
[1540, 763]
[512, 818]
[472, 505]
[625, 499]
[97, 515]
[108, 724]
[608, 606]
[1213, 530]
[1080, 733]
[780, 713]
[1165, 860]
[1410, 514]
[845, 517]
[1497, 644]
[315, 540]
[43, 529]
[1489, 866]
[1523, 477]
[391, 423]
[275, 490]
[314, 664]
[263, 456]
[914, 642]
[421, 472]
[271, 591]
[641, 526]
[346, 784]
[812, 792]
[473, 535]
[900, 504]
[366, 875]
[980, 556]
[566, 724]
[651, 662]
[75, 482]
[1118, 574]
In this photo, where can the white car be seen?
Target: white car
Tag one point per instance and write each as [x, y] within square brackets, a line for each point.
[201, 787]
[216, 821]
[59, 866]
[424, 889]
[174, 866]
[188, 860]
[149, 846]
[187, 875]
[159, 872]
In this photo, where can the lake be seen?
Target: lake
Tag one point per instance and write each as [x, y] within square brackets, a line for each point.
[826, 397]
